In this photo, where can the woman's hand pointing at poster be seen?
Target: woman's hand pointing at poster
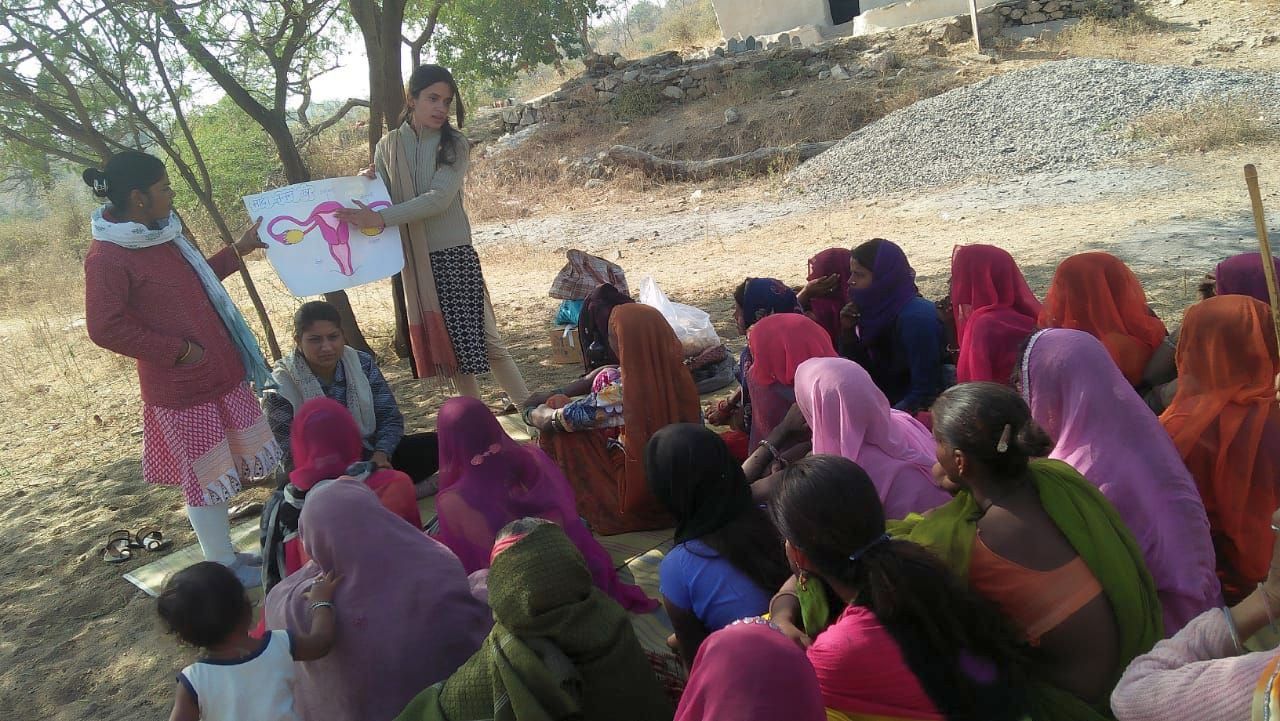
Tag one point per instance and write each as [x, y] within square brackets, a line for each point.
[361, 217]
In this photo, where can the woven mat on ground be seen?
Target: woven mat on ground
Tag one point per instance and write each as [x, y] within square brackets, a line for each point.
[151, 577]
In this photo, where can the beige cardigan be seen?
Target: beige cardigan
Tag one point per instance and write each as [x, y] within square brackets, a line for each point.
[439, 200]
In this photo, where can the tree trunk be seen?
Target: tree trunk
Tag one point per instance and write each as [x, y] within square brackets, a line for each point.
[381, 29]
[755, 162]
[274, 122]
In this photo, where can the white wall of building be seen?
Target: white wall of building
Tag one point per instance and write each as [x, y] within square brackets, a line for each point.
[765, 17]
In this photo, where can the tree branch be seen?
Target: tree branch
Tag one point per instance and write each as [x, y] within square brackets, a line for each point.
[333, 120]
[415, 47]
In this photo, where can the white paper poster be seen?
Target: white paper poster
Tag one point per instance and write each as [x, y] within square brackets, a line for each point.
[313, 251]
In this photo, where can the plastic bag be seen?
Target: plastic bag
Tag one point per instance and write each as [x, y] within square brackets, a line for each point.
[569, 312]
[692, 326]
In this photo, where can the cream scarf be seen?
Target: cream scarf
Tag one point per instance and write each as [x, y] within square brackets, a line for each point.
[299, 385]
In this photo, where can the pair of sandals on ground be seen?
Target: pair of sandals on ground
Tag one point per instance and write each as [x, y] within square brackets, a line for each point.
[124, 546]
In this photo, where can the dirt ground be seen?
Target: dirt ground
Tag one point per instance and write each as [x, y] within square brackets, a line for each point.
[79, 642]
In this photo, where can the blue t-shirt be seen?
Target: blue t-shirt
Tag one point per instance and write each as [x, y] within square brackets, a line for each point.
[697, 579]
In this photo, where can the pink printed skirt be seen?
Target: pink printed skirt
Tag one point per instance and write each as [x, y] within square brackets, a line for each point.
[210, 449]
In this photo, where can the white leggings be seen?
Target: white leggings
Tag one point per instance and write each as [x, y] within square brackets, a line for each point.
[213, 530]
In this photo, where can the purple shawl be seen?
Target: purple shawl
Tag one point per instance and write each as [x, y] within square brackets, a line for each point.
[406, 616]
[487, 480]
[1244, 275]
[1104, 430]
[893, 285]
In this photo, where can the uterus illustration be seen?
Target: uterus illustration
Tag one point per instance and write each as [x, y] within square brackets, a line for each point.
[336, 233]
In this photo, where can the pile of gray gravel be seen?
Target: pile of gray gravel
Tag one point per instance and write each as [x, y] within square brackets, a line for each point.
[1065, 114]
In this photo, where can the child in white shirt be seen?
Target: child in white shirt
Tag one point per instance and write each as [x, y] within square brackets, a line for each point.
[240, 678]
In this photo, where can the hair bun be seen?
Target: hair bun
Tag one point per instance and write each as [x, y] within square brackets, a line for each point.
[97, 180]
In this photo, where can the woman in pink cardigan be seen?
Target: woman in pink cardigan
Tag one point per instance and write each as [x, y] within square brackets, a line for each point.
[150, 295]
[1203, 672]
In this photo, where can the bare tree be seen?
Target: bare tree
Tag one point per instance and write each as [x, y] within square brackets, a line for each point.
[71, 91]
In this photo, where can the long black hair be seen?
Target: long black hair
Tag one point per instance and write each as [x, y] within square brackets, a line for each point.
[692, 473]
[962, 650]
[451, 141]
[125, 172]
[992, 424]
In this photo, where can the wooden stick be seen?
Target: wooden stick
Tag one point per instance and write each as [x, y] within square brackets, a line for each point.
[1264, 246]
[973, 15]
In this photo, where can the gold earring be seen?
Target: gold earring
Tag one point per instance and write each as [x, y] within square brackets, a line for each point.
[804, 580]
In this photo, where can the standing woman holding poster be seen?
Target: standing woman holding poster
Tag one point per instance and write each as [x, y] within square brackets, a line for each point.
[151, 295]
[452, 329]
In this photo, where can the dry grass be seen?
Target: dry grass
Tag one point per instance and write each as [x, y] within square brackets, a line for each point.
[536, 177]
[1138, 37]
[1208, 125]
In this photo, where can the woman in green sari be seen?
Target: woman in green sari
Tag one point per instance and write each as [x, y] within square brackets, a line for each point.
[1042, 543]
[560, 648]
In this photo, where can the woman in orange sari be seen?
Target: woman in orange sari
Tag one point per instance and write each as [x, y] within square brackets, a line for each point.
[1098, 294]
[1226, 425]
[599, 439]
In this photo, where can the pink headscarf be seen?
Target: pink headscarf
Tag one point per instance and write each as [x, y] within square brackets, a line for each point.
[487, 480]
[325, 441]
[779, 344]
[826, 310]
[406, 617]
[994, 309]
[749, 671]
[850, 417]
[1104, 430]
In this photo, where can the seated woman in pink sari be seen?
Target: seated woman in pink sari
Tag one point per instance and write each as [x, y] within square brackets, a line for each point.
[994, 311]
[406, 614]
[1101, 427]
[850, 417]
[325, 441]
[487, 480]
[779, 344]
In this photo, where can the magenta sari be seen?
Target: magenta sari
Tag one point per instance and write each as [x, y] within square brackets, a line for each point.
[994, 309]
[826, 310]
[487, 480]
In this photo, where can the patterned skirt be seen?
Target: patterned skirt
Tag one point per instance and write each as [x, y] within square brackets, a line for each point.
[210, 449]
[460, 287]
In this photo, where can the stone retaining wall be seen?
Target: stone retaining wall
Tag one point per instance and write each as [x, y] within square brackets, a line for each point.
[669, 78]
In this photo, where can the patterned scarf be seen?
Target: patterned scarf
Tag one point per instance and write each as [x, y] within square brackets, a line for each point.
[135, 236]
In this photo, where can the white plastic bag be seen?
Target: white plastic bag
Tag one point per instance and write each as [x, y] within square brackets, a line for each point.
[692, 326]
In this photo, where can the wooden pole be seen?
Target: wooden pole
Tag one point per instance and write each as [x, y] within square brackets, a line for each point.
[973, 15]
[1264, 246]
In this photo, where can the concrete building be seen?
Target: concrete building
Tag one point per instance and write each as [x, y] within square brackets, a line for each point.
[813, 21]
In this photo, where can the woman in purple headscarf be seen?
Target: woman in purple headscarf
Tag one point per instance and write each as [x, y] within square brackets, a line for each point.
[408, 618]
[1099, 426]
[890, 330]
[487, 480]
[1241, 274]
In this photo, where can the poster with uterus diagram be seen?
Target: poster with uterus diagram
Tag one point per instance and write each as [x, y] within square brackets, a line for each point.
[311, 249]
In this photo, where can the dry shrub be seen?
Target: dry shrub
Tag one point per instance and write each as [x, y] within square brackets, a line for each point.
[1134, 37]
[339, 151]
[637, 101]
[693, 23]
[1207, 125]
[535, 176]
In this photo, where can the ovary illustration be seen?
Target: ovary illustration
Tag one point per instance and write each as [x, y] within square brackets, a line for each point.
[337, 234]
